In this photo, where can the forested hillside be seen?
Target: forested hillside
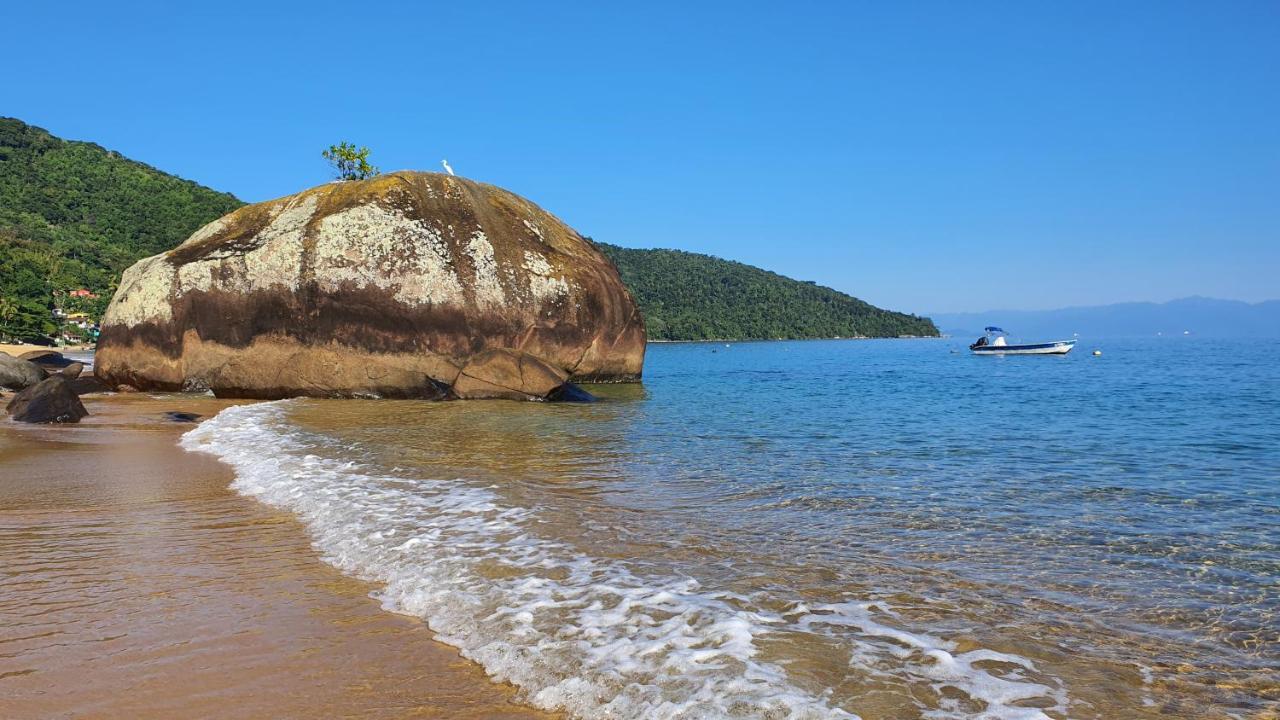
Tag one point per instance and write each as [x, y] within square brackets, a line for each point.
[74, 215]
[687, 296]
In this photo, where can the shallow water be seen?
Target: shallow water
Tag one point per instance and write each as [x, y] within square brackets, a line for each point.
[886, 529]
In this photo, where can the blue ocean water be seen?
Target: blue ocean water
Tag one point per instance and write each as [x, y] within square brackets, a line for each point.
[1160, 455]
[826, 528]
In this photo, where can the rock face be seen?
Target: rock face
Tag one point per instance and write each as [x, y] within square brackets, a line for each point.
[49, 401]
[87, 384]
[406, 285]
[17, 374]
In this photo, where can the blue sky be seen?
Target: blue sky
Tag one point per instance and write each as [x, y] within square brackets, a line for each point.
[942, 157]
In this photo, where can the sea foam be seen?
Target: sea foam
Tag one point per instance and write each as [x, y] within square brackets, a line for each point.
[581, 634]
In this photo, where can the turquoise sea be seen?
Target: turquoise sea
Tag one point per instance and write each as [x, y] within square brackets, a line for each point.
[879, 529]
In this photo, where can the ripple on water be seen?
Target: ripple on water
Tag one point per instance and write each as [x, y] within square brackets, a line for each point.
[594, 636]
[1113, 527]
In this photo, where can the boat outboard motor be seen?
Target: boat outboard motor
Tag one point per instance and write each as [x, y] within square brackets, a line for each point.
[982, 341]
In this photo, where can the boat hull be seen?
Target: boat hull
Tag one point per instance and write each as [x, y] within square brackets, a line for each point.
[1060, 347]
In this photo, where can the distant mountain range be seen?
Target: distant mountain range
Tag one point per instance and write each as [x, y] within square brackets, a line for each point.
[1208, 317]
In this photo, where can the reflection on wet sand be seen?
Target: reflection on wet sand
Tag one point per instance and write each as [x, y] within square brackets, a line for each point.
[137, 585]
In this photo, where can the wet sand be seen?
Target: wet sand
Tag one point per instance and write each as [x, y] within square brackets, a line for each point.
[136, 585]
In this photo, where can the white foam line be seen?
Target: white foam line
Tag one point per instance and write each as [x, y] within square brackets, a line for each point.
[933, 660]
[576, 633]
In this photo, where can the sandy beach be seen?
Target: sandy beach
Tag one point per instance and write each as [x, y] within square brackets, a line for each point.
[16, 350]
[137, 585]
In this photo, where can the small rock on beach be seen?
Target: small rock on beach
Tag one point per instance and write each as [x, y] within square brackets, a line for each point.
[50, 401]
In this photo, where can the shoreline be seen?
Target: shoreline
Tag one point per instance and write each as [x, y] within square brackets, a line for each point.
[16, 349]
[142, 586]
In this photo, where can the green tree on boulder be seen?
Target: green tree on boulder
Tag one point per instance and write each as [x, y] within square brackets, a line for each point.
[350, 163]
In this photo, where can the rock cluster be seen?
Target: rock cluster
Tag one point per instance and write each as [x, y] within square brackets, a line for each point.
[19, 374]
[49, 385]
[51, 400]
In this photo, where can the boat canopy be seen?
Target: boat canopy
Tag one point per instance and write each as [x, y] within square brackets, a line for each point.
[994, 329]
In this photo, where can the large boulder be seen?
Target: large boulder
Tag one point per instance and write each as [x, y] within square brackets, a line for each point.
[17, 374]
[406, 285]
[508, 374]
[49, 401]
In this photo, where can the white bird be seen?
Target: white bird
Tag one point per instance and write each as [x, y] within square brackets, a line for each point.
[447, 169]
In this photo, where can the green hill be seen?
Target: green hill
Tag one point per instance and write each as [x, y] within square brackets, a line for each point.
[75, 215]
[687, 296]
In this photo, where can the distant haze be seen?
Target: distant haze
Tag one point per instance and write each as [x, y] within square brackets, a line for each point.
[1200, 316]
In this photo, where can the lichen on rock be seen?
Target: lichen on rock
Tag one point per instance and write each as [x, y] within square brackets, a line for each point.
[393, 286]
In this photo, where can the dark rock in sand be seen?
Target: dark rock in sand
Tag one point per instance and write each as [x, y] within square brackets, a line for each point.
[87, 384]
[34, 355]
[406, 285]
[49, 360]
[18, 374]
[72, 370]
[182, 417]
[50, 401]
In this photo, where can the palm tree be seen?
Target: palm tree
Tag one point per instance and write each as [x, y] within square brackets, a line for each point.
[8, 311]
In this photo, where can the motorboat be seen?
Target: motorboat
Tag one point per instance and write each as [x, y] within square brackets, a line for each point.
[994, 343]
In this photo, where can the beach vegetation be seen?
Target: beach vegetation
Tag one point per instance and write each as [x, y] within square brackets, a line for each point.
[74, 215]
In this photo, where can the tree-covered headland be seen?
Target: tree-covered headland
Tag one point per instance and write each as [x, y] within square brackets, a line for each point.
[688, 296]
[74, 215]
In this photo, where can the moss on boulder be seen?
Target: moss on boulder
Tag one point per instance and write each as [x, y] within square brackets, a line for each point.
[406, 285]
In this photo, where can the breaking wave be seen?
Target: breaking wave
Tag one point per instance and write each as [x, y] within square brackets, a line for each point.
[589, 636]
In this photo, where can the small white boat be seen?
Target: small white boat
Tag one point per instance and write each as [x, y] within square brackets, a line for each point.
[994, 343]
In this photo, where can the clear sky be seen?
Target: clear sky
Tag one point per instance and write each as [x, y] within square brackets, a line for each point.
[944, 156]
